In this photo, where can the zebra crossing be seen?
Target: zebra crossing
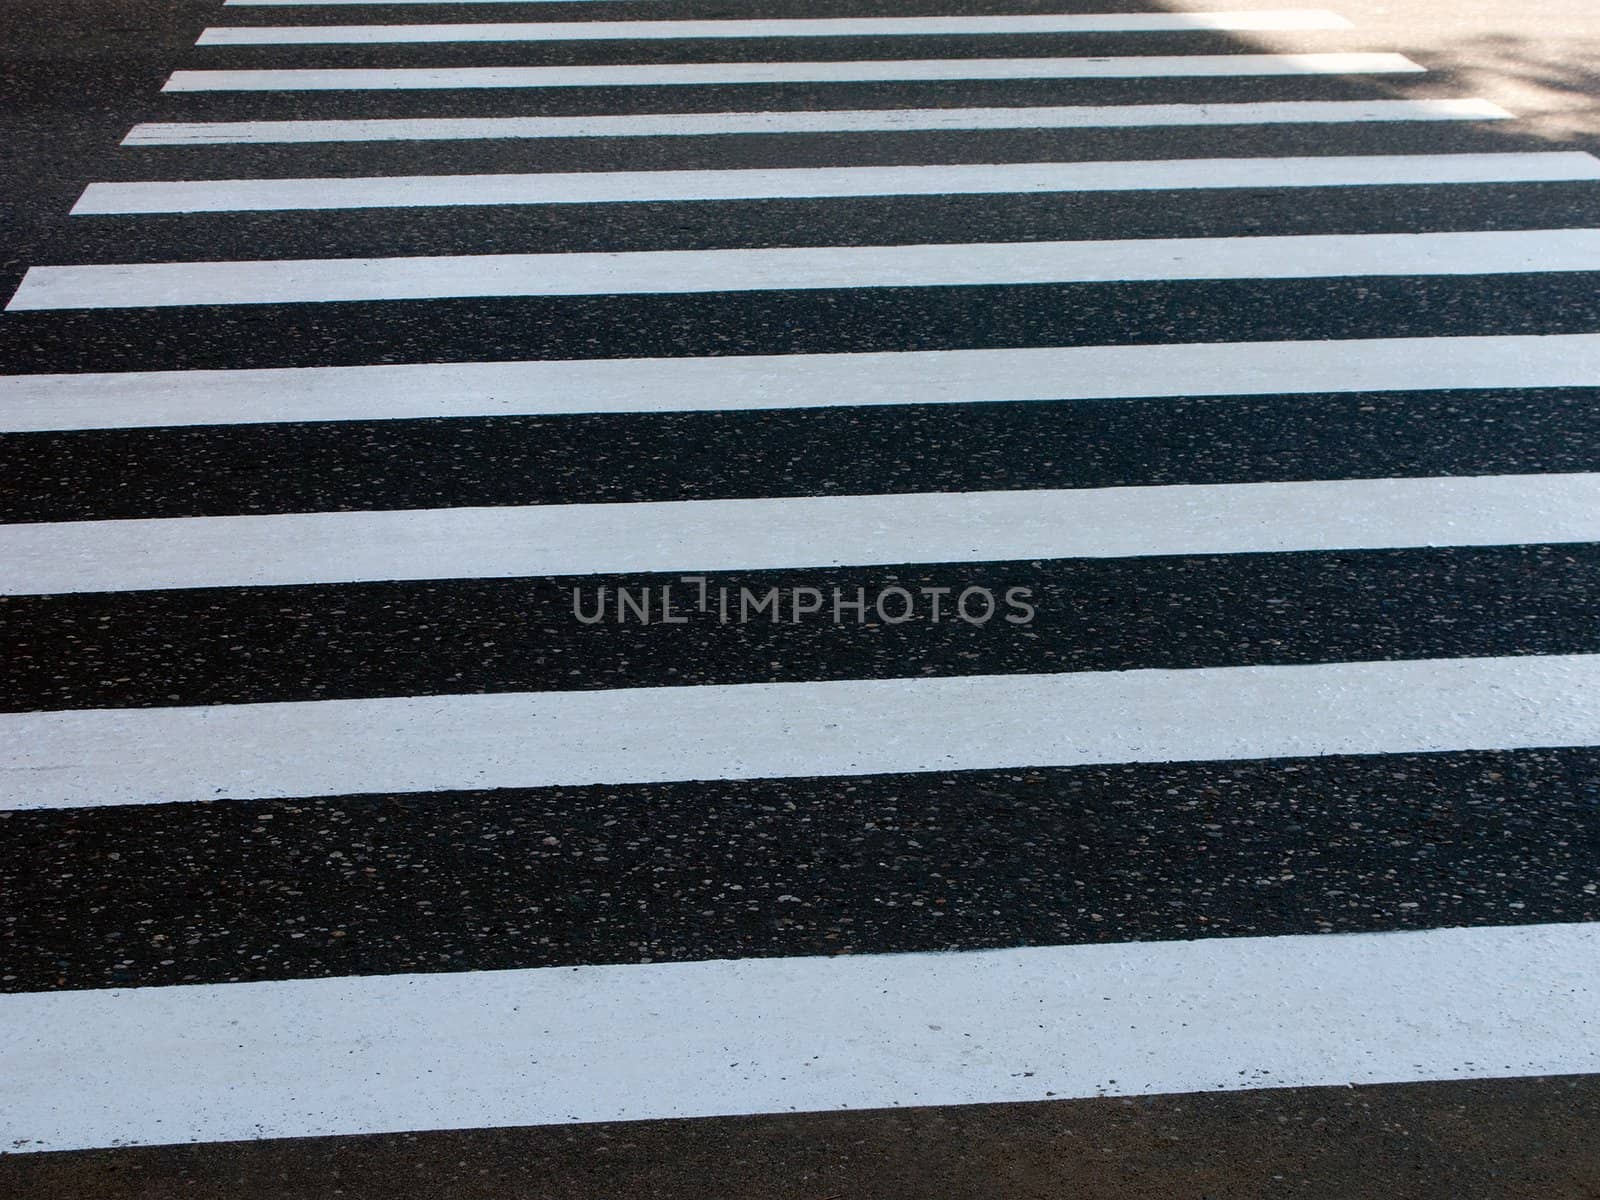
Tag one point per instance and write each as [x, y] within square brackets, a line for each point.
[246, 195]
[820, 531]
[760, 382]
[325, 280]
[321, 79]
[887, 120]
[771, 731]
[298, 281]
[558, 31]
[327, 811]
[347, 1036]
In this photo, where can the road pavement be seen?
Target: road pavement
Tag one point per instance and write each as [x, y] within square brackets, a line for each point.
[641, 598]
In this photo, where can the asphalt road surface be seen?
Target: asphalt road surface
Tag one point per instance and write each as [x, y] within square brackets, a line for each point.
[655, 598]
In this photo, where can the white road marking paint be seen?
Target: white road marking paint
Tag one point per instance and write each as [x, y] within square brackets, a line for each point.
[671, 272]
[554, 1045]
[91, 758]
[605, 187]
[587, 31]
[793, 532]
[142, 399]
[887, 120]
[304, 79]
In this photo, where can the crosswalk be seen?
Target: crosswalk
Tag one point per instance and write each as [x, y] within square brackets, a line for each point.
[566, 31]
[645, 562]
[1151, 66]
[176, 755]
[615, 187]
[135, 399]
[326, 280]
[725, 1037]
[885, 120]
[814, 531]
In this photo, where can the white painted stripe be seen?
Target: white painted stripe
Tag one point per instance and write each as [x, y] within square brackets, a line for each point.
[816, 531]
[555, 1045]
[605, 187]
[303, 281]
[887, 120]
[303, 79]
[139, 399]
[589, 31]
[102, 757]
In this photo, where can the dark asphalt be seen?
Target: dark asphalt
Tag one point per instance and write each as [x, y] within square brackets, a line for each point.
[354, 885]
[304, 889]
[443, 637]
[192, 471]
[1513, 1139]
